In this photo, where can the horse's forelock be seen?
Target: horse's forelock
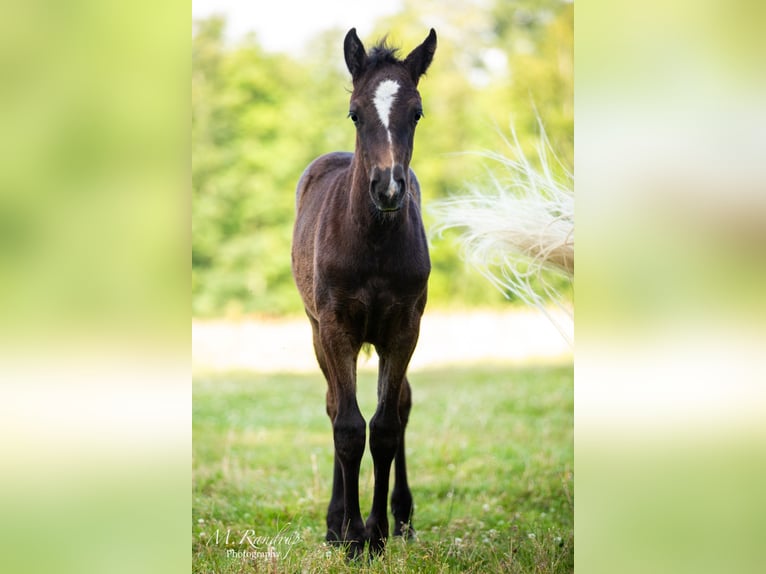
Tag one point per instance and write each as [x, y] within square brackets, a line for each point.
[382, 53]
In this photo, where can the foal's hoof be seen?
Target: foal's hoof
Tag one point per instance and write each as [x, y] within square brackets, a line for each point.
[377, 534]
[354, 549]
[332, 538]
[377, 548]
[405, 530]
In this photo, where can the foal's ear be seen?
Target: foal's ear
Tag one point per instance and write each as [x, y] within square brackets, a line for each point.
[420, 58]
[356, 57]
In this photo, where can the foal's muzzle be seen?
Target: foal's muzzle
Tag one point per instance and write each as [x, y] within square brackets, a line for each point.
[388, 187]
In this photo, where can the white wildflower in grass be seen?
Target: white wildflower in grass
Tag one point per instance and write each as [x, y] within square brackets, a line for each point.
[531, 536]
[518, 231]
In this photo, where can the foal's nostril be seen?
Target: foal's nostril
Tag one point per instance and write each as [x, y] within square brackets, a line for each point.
[398, 174]
[380, 180]
[374, 177]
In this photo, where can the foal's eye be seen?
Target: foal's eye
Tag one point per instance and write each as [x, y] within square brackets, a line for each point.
[416, 116]
[354, 117]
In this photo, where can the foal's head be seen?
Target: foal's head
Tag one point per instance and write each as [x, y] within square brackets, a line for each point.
[385, 108]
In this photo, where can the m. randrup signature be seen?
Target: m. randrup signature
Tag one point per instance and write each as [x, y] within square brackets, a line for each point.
[249, 538]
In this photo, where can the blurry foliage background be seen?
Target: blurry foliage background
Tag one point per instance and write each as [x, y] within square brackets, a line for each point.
[259, 118]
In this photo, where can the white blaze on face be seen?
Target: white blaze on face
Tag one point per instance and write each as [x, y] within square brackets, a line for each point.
[385, 94]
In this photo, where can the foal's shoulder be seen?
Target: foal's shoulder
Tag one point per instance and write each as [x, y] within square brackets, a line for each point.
[321, 168]
[415, 187]
[328, 163]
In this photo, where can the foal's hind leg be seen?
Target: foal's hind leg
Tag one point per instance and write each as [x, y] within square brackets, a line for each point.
[401, 497]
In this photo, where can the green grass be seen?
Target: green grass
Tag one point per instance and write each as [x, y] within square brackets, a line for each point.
[490, 460]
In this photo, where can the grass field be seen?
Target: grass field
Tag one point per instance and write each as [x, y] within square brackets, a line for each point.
[490, 460]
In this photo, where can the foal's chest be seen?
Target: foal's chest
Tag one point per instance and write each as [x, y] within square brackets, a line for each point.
[377, 277]
[385, 280]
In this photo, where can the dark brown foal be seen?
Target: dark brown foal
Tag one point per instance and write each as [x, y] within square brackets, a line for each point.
[360, 261]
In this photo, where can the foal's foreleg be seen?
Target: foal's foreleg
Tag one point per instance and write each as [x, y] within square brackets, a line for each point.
[336, 508]
[385, 433]
[386, 428]
[349, 436]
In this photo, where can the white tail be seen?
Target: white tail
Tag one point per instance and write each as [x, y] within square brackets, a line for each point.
[520, 228]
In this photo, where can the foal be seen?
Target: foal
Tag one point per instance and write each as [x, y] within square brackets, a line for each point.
[360, 261]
